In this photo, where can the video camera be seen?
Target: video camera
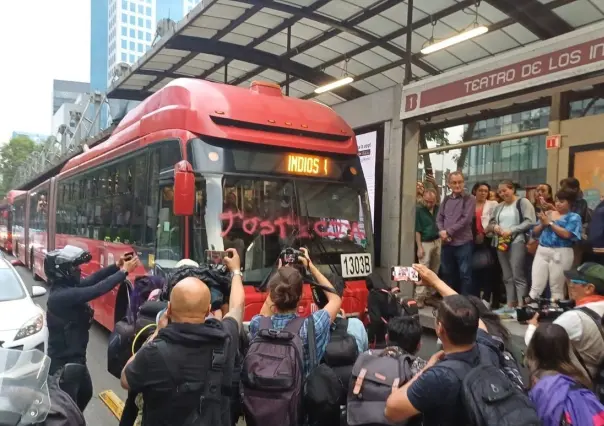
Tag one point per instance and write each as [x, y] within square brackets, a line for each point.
[547, 309]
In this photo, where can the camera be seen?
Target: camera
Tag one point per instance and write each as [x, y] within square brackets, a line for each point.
[290, 256]
[547, 309]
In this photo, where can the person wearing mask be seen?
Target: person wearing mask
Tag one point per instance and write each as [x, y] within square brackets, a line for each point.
[557, 231]
[436, 391]
[281, 306]
[454, 222]
[485, 267]
[68, 314]
[187, 349]
[427, 239]
[509, 223]
[586, 288]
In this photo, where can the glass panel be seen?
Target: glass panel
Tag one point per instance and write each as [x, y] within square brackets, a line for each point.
[11, 287]
[585, 107]
[260, 217]
[523, 160]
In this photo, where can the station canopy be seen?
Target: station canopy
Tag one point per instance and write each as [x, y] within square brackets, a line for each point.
[238, 41]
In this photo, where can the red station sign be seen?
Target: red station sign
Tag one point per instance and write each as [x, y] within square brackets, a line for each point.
[563, 57]
[552, 142]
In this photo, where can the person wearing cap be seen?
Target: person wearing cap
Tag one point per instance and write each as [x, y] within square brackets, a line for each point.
[586, 288]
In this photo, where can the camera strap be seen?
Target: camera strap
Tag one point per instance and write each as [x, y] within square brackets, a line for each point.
[596, 319]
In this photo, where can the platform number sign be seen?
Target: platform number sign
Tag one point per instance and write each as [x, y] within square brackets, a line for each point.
[356, 265]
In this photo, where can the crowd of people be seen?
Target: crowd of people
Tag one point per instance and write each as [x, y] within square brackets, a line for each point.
[502, 247]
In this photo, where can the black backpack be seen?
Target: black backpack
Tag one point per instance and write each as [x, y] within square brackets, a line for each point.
[488, 395]
[63, 410]
[324, 387]
[214, 387]
[272, 375]
[341, 352]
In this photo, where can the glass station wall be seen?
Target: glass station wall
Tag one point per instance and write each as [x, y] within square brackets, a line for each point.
[523, 160]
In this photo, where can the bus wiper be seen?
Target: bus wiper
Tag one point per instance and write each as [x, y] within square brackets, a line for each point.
[317, 239]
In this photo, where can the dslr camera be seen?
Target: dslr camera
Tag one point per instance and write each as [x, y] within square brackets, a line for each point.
[547, 309]
[290, 256]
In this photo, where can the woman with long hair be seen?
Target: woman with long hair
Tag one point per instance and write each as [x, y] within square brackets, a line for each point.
[485, 265]
[510, 222]
[560, 391]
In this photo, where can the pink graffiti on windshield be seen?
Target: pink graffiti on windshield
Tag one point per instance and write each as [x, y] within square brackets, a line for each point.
[324, 228]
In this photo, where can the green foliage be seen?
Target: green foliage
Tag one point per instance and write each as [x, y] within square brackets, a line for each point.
[12, 156]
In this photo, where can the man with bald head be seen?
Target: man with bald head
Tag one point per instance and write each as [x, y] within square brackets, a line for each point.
[185, 370]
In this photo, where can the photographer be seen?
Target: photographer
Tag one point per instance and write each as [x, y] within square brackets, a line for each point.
[586, 288]
[281, 304]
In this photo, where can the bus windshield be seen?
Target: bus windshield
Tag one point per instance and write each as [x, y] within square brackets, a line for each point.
[259, 216]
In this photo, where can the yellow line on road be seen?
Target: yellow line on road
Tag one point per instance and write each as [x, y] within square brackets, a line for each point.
[113, 402]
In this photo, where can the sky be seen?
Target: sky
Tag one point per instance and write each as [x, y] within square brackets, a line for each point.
[40, 40]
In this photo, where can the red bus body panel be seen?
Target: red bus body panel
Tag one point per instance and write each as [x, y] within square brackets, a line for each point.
[185, 109]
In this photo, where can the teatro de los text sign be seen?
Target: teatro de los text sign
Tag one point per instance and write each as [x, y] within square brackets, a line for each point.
[574, 54]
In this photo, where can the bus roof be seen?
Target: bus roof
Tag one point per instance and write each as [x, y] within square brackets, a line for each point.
[260, 114]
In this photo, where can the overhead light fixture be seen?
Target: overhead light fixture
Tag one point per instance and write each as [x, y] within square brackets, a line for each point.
[466, 35]
[334, 85]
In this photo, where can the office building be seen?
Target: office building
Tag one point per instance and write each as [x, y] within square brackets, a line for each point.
[64, 91]
[99, 28]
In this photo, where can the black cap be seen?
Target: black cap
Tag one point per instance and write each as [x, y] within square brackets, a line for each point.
[590, 272]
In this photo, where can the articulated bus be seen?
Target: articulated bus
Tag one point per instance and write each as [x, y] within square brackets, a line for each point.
[7, 215]
[204, 166]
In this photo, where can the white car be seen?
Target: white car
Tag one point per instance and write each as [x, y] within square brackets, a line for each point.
[22, 322]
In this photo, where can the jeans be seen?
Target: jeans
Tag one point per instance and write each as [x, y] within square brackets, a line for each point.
[512, 266]
[457, 267]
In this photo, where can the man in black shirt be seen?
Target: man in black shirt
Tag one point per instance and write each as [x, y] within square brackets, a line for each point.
[435, 391]
[189, 357]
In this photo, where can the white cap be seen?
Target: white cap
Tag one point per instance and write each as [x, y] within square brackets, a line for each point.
[187, 262]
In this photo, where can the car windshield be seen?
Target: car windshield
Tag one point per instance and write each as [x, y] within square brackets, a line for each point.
[259, 217]
[10, 287]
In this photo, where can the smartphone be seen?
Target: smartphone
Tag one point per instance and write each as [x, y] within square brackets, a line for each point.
[214, 257]
[129, 255]
[404, 273]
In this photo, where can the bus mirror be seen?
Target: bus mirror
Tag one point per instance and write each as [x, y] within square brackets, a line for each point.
[184, 189]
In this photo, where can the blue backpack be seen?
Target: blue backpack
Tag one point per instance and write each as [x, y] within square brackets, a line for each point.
[560, 401]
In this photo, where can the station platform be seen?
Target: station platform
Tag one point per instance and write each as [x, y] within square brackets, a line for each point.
[427, 321]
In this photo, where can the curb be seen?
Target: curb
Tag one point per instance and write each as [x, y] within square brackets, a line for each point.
[113, 402]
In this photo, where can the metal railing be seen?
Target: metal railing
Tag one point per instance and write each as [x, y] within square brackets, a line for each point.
[69, 142]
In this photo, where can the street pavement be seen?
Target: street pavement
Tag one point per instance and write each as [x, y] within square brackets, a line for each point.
[97, 414]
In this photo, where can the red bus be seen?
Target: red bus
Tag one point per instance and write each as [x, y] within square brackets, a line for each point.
[204, 166]
[6, 220]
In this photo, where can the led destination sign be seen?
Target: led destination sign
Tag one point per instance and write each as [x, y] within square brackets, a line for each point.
[308, 165]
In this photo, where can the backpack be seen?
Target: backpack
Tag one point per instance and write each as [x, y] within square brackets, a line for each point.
[598, 380]
[323, 388]
[146, 322]
[374, 376]
[273, 374]
[560, 401]
[63, 410]
[119, 348]
[489, 397]
[212, 388]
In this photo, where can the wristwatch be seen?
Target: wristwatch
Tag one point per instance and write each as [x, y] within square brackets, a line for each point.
[237, 273]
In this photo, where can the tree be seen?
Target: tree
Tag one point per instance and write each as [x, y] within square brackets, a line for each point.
[441, 137]
[12, 156]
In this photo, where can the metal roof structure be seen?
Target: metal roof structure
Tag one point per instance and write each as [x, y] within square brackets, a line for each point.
[304, 44]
